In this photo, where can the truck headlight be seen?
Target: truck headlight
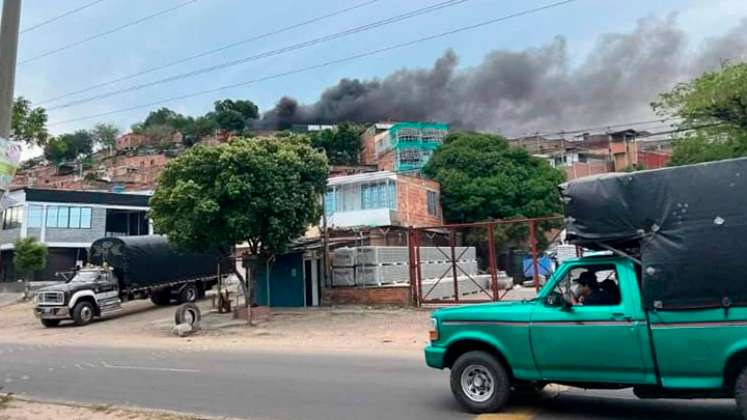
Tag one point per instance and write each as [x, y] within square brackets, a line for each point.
[434, 329]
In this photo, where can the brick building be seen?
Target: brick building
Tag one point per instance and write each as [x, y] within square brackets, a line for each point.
[382, 199]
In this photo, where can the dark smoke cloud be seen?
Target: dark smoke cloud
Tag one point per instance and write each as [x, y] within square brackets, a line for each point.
[536, 89]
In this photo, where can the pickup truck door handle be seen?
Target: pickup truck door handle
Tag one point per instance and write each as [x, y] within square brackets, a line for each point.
[620, 315]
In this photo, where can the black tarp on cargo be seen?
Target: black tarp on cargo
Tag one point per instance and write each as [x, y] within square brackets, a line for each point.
[141, 261]
[688, 224]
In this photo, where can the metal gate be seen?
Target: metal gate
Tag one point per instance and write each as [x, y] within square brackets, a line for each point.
[468, 263]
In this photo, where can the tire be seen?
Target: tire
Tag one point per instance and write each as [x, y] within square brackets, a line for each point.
[188, 313]
[479, 382]
[49, 323]
[740, 393]
[161, 297]
[83, 313]
[189, 293]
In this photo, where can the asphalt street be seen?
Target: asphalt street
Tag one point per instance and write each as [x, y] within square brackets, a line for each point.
[291, 386]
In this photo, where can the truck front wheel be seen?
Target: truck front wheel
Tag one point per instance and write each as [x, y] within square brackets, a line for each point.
[161, 297]
[479, 382]
[740, 392]
[83, 313]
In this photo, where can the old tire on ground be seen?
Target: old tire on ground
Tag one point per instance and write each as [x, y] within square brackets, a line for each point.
[740, 393]
[189, 293]
[50, 322]
[83, 313]
[161, 297]
[479, 382]
[188, 313]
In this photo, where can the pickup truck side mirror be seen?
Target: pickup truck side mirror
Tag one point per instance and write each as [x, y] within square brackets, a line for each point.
[558, 300]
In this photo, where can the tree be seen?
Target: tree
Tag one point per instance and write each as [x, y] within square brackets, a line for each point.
[712, 113]
[264, 192]
[235, 116]
[341, 145]
[69, 146]
[28, 124]
[105, 135]
[29, 256]
[56, 150]
[201, 128]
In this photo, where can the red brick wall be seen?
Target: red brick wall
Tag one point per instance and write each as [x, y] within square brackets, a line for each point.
[412, 201]
[387, 295]
[653, 160]
[368, 151]
[386, 161]
[582, 169]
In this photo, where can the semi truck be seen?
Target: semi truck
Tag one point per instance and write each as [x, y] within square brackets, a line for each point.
[127, 268]
[664, 312]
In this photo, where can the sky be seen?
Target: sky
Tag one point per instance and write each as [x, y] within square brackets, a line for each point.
[203, 25]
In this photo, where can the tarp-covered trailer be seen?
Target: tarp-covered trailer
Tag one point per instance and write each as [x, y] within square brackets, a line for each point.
[687, 225]
[147, 261]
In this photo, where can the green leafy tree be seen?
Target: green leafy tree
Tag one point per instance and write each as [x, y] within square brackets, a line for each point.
[201, 127]
[712, 112]
[483, 178]
[263, 192]
[56, 150]
[235, 116]
[29, 256]
[342, 145]
[28, 124]
[105, 135]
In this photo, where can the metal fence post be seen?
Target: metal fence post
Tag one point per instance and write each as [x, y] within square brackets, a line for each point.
[491, 263]
[533, 243]
[454, 264]
[412, 268]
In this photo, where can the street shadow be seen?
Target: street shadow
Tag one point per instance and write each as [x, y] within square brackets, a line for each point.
[595, 406]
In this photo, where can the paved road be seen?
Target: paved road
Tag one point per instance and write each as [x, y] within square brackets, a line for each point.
[288, 386]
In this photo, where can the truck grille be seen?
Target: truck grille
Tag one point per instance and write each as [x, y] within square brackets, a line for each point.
[51, 298]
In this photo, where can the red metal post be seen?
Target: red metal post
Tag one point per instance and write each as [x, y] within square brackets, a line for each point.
[454, 264]
[491, 263]
[416, 237]
[533, 243]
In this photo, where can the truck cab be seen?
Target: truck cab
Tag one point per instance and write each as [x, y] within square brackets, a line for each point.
[92, 291]
[588, 327]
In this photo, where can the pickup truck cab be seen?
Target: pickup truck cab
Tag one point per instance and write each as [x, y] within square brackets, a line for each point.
[606, 341]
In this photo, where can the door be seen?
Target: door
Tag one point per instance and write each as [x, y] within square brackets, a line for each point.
[594, 338]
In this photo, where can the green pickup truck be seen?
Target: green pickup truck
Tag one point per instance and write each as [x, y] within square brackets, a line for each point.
[664, 312]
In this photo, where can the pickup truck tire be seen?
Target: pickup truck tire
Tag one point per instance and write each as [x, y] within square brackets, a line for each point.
[189, 293]
[740, 392]
[479, 382]
[83, 313]
[49, 323]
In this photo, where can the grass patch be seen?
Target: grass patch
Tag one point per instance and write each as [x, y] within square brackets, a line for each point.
[5, 400]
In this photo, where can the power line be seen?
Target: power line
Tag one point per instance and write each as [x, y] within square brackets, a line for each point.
[108, 32]
[210, 52]
[60, 16]
[267, 54]
[327, 63]
[597, 128]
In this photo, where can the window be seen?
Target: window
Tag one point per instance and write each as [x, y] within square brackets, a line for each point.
[12, 217]
[35, 216]
[432, 197]
[590, 285]
[376, 196]
[329, 202]
[64, 217]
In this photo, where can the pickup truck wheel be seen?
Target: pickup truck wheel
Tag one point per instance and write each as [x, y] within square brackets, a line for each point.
[479, 382]
[83, 313]
[740, 393]
[188, 294]
[49, 323]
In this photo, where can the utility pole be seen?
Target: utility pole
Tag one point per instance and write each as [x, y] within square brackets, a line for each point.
[8, 52]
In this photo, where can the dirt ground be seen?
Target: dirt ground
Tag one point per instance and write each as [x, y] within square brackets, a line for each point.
[141, 324]
[12, 408]
[369, 330]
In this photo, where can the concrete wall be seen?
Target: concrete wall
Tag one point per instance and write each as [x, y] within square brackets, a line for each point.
[10, 235]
